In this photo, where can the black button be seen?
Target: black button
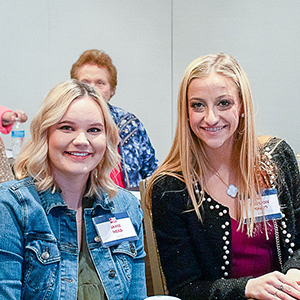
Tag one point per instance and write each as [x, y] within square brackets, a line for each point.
[112, 273]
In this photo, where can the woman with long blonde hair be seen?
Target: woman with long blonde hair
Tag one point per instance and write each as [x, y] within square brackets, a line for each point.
[225, 203]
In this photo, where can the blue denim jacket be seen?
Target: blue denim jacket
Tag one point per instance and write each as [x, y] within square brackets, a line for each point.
[137, 154]
[39, 251]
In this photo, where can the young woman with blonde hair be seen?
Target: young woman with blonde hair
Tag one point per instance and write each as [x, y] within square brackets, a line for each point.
[52, 241]
[221, 231]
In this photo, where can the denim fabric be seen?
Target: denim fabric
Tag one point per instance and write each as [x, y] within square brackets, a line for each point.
[138, 156]
[39, 251]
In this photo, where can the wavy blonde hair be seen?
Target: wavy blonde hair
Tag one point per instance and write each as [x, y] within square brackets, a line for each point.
[33, 159]
[187, 159]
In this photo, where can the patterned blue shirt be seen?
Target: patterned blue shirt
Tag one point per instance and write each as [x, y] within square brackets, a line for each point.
[137, 154]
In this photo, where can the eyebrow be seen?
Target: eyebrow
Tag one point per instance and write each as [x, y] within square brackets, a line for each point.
[74, 123]
[218, 98]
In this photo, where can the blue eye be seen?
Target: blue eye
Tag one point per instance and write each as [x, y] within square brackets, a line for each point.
[66, 127]
[94, 129]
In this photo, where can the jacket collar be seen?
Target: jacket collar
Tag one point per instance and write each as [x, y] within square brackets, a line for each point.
[49, 200]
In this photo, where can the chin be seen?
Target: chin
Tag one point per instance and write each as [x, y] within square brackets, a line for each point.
[215, 146]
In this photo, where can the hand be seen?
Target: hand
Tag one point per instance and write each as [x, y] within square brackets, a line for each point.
[274, 285]
[294, 275]
[9, 117]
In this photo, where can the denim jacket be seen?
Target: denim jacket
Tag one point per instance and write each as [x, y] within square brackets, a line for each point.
[137, 154]
[39, 251]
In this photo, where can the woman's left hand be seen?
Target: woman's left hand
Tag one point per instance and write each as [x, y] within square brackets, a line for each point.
[274, 285]
[294, 275]
[292, 281]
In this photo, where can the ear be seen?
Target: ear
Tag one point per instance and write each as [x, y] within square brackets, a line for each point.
[242, 112]
[112, 93]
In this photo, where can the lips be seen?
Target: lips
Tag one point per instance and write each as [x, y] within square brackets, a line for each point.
[78, 154]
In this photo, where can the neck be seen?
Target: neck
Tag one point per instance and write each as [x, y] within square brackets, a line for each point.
[224, 169]
[221, 159]
[73, 190]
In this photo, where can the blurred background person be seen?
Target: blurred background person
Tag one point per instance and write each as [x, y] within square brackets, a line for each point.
[137, 153]
[8, 118]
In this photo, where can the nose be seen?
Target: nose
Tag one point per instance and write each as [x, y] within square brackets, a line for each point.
[81, 140]
[211, 117]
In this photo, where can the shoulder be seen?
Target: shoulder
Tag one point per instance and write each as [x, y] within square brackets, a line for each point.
[125, 200]
[169, 192]
[20, 192]
[119, 112]
[123, 117]
[278, 149]
[21, 198]
[14, 185]
[169, 183]
[281, 153]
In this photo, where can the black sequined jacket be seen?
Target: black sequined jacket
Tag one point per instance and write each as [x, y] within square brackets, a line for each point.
[196, 256]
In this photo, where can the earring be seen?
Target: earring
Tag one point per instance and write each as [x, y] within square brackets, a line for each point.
[243, 115]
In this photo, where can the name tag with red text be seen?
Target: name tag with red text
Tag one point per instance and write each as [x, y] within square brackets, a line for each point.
[114, 228]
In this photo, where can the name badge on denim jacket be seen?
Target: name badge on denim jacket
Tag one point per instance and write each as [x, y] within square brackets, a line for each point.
[268, 207]
[114, 228]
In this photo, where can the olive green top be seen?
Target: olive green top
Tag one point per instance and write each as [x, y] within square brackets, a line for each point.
[89, 283]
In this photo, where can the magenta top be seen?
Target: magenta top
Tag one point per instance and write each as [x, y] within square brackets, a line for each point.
[4, 129]
[253, 256]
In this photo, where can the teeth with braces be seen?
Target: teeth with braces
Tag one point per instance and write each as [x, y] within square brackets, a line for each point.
[213, 129]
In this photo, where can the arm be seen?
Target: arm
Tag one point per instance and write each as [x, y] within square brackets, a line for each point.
[138, 280]
[138, 289]
[289, 195]
[138, 155]
[276, 283]
[188, 251]
[11, 247]
[147, 153]
[3, 127]
[9, 117]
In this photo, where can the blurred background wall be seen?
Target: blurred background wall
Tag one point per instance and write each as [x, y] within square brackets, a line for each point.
[151, 43]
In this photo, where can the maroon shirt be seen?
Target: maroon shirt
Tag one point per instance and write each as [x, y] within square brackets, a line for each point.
[253, 256]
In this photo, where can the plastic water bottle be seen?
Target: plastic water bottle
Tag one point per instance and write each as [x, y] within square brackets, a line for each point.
[17, 138]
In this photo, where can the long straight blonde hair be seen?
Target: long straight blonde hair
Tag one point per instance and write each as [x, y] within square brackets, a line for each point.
[187, 159]
[33, 159]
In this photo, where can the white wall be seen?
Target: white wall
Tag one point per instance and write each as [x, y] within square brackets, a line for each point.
[151, 43]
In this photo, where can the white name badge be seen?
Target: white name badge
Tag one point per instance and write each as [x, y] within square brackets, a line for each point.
[115, 228]
[269, 207]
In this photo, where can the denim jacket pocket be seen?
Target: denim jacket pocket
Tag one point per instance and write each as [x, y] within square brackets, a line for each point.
[42, 259]
[124, 255]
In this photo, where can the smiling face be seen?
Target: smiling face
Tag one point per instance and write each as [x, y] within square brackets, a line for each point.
[98, 78]
[77, 142]
[214, 109]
